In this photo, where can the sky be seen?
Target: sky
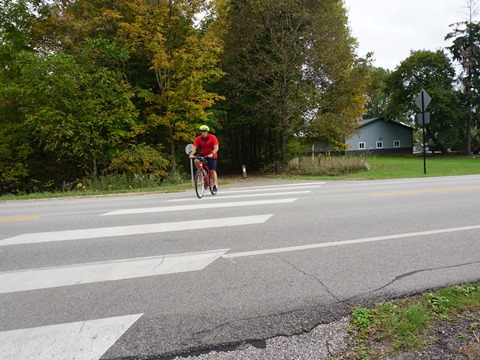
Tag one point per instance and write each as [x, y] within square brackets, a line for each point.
[391, 28]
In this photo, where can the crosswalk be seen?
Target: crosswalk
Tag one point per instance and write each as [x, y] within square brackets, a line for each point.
[91, 338]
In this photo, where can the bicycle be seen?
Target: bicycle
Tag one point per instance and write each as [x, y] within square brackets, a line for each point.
[203, 178]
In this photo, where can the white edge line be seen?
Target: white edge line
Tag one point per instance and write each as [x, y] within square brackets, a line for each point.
[347, 242]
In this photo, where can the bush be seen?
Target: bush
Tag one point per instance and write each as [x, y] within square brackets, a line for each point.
[327, 166]
[141, 159]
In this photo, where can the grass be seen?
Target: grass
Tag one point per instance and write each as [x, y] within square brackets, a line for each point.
[386, 167]
[394, 167]
[407, 325]
[332, 168]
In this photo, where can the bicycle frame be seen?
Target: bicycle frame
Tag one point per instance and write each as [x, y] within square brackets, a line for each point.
[203, 178]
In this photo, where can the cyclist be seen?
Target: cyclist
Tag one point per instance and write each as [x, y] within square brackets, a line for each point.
[208, 144]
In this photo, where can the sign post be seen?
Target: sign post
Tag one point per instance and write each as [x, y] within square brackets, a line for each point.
[422, 101]
[188, 148]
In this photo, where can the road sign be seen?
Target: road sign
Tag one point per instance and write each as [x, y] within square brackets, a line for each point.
[422, 100]
[423, 117]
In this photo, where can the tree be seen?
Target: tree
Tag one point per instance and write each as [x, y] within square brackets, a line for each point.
[466, 50]
[377, 96]
[183, 60]
[292, 69]
[76, 111]
[16, 149]
[433, 72]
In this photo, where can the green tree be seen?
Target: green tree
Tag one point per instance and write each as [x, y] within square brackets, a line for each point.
[77, 112]
[466, 50]
[377, 96]
[292, 70]
[15, 148]
[183, 60]
[433, 72]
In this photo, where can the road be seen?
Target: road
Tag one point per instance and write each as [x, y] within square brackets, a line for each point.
[153, 276]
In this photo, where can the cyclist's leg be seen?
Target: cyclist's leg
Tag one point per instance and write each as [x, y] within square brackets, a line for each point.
[197, 163]
[212, 165]
[214, 177]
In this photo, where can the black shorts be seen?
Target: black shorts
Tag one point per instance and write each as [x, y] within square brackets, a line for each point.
[212, 164]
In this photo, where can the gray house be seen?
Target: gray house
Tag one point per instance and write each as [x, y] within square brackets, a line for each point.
[377, 136]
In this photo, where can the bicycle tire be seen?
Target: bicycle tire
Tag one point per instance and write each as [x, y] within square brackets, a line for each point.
[199, 184]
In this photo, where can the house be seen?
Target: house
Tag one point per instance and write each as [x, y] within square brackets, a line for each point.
[377, 136]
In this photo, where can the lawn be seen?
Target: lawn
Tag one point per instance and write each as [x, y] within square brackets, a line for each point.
[392, 167]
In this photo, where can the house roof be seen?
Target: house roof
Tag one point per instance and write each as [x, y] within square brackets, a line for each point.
[365, 122]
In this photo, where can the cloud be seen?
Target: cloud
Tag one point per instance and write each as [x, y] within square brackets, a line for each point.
[392, 29]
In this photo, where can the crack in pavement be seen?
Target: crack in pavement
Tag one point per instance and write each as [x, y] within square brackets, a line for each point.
[405, 275]
[314, 277]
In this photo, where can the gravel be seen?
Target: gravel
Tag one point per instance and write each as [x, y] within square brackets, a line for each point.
[324, 341]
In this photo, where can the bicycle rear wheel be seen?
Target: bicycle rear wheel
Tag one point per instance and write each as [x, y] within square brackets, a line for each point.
[199, 183]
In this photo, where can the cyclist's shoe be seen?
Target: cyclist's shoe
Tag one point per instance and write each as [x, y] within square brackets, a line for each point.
[214, 189]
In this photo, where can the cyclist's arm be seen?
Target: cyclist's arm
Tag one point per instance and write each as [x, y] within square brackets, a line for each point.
[215, 150]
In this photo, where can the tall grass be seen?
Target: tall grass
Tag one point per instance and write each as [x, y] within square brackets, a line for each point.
[326, 166]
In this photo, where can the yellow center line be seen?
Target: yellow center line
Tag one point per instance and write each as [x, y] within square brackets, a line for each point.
[21, 218]
[410, 192]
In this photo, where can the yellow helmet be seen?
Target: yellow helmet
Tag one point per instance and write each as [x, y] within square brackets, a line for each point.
[204, 128]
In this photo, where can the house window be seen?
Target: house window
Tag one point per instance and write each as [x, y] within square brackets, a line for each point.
[379, 144]
[396, 143]
[361, 145]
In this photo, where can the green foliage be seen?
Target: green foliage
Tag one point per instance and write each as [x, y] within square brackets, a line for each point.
[377, 95]
[466, 50]
[83, 82]
[291, 69]
[140, 160]
[434, 73]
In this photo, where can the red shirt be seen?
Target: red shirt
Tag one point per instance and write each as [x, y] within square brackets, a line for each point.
[206, 145]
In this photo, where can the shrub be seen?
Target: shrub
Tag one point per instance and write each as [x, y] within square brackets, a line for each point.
[140, 160]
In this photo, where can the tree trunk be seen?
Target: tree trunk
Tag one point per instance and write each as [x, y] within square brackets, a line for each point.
[172, 151]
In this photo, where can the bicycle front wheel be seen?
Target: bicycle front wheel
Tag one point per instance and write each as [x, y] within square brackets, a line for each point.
[199, 184]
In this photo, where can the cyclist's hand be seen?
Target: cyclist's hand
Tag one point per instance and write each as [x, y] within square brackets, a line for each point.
[191, 156]
[210, 155]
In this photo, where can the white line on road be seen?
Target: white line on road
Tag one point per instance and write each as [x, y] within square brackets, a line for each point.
[83, 340]
[66, 235]
[77, 274]
[202, 206]
[348, 242]
[220, 196]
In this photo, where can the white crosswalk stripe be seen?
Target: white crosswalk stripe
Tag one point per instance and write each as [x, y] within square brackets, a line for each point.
[34, 238]
[90, 339]
[283, 186]
[222, 197]
[202, 206]
[83, 340]
[77, 274]
[268, 188]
